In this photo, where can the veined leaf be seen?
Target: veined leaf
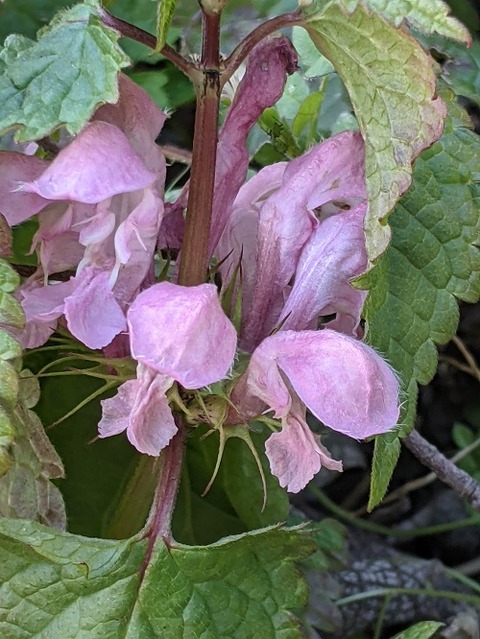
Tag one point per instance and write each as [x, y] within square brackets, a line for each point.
[433, 259]
[61, 585]
[165, 11]
[429, 16]
[63, 77]
[391, 84]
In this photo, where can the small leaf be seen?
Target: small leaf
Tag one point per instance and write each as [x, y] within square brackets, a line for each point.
[11, 312]
[433, 259]
[165, 11]
[393, 97]
[431, 16]
[60, 585]
[422, 630]
[62, 78]
[26, 490]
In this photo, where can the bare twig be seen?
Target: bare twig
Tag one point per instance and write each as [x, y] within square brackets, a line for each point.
[464, 485]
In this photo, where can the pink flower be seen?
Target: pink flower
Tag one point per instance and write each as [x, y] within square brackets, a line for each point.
[177, 333]
[298, 230]
[99, 204]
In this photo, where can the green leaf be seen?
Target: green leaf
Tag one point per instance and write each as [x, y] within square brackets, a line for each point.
[26, 490]
[429, 16]
[61, 79]
[234, 502]
[97, 470]
[462, 73]
[63, 586]
[433, 259]
[422, 630]
[393, 96]
[165, 11]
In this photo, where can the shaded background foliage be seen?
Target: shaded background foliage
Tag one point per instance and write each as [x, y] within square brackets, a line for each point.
[449, 408]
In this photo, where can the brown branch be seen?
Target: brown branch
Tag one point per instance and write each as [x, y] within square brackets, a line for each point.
[461, 482]
[139, 35]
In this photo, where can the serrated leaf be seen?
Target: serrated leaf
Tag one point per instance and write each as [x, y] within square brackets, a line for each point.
[9, 347]
[63, 77]
[393, 96]
[429, 16]
[433, 259]
[63, 586]
[165, 11]
[422, 630]
[9, 279]
[26, 490]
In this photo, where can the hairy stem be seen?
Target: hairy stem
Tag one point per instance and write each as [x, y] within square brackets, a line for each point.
[159, 524]
[139, 35]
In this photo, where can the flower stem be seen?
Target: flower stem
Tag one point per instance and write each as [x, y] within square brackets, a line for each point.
[159, 524]
[239, 54]
[194, 255]
[139, 35]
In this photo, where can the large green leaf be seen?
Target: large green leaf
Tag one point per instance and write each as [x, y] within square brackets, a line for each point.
[433, 259]
[62, 586]
[391, 84]
[63, 77]
[97, 470]
[234, 502]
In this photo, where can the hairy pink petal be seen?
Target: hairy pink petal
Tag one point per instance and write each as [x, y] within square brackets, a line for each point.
[140, 407]
[182, 332]
[16, 168]
[332, 172]
[96, 165]
[137, 115]
[334, 254]
[296, 454]
[344, 382]
[92, 312]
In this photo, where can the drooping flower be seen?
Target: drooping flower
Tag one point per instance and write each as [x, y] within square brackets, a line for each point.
[305, 229]
[99, 204]
[177, 333]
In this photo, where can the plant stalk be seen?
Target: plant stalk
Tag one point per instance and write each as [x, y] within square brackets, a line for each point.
[194, 256]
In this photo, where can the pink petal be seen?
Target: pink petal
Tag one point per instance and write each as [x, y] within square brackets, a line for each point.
[334, 254]
[96, 165]
[92, 312]
[141, 408]
[332, 172]
[140, 119]
[296, 454]
[16, 168]
[182, 332]
[344, 382]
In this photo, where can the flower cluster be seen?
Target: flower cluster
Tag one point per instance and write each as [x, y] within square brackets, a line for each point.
[289, 241]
